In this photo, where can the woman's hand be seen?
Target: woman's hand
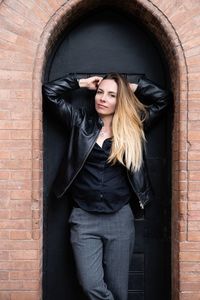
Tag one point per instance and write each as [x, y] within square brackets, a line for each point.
[133, 86]
[90, 83]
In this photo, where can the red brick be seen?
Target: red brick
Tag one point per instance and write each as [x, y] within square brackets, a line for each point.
[4, 93]
[194, 155]
[191, 43]
[19, 245]
[193, 225]
[15, 184]
[4, 214]
[53, 4]
[24, 255]
[195, 145]
[15, 224]
[21, 94]
[4, 154]
[37, 175]
[194, 186]
[190, 277]
[21, 195]
[20, 134]
[186, 256]
[21, 214]
[11, 75]
[24, 296]
[23, 154]
[4, 115]
[45, 6]
[4, 295]
[4, 175]
[190, 296]
[4, 134]
[193, 95]
[194, 195]
[20, 235]
[181, 14]
[37, 164]
[4, 255]
[11, 285]
[16, 164]
[194, 205]
[11, 14]
[20, 204]
[4, 235]
[21, 275]
[4, 203]
[24, 114]
[4, 275]
[36, 234]
[12, 124]
[194, 135]
[36, 224]
[36, 214]
[189, 286]
[194, 215]
[189, 266]
[14, 145]
[8, 36]
[22, 174]
[190, 246]
[16, 84]
[194, 165]
[193, 115]
[194, 236]
[37, 124]
[193, 125]
[182, 236]
[31, 285]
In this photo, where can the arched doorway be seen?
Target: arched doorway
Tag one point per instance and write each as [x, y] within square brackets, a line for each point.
[107, 41]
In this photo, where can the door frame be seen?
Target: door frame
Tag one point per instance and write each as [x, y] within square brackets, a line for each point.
[166, 35]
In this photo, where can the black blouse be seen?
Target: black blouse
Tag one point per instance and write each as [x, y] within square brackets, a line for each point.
[101, 187]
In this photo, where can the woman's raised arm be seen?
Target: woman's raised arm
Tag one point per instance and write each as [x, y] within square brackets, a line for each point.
[53, 92]
[154, 97]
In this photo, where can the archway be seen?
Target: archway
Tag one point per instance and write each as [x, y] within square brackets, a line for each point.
[106, 40]
[155, 21]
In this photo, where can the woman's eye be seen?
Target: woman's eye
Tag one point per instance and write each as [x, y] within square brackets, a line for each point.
[99, 92]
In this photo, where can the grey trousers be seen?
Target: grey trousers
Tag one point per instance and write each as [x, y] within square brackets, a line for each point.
[103, 246]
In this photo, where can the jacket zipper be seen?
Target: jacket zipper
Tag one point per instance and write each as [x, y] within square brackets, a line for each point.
[81, 165]
[140, 202]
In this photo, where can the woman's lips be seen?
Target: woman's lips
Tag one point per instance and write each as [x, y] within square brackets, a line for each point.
[101, 106]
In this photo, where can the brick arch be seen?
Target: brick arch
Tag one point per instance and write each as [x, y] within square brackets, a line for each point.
[157, 22]
[29, 29]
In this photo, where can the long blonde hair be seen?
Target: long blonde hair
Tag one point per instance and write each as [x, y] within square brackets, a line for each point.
[127, 126]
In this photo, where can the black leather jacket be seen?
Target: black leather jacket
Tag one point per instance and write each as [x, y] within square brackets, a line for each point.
[84, 130]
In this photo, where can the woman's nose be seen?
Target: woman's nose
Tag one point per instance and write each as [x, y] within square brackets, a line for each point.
[103, 98]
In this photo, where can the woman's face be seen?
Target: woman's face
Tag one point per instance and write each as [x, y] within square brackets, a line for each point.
[106, 97]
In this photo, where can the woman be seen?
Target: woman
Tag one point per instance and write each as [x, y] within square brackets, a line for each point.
[104, 170]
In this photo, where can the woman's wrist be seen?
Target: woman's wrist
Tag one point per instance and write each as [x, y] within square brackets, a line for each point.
[82, 83]
[133, 86]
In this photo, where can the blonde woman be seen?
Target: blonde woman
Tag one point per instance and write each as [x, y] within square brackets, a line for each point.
[104, 170]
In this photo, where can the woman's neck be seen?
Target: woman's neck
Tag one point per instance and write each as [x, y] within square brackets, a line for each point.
[107, 121]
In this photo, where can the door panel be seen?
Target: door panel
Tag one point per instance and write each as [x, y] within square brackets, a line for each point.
[108, 41]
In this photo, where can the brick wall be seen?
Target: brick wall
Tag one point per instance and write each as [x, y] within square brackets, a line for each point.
[28, 29]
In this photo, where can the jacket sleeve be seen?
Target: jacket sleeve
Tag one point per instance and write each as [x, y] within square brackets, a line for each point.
[154, 97]
[53, 93]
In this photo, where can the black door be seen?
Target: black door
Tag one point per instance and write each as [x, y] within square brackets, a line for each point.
[102, 42]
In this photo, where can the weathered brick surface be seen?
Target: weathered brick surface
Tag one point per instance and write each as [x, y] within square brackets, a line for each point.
[28, 31]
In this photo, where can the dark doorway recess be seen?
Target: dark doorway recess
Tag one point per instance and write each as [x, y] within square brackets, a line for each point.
[103, 41]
